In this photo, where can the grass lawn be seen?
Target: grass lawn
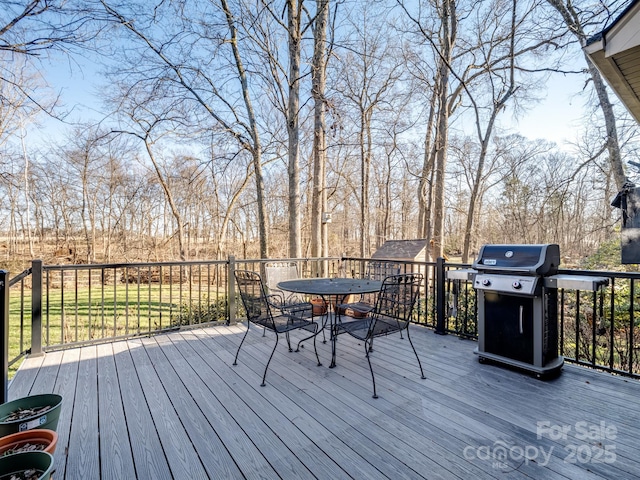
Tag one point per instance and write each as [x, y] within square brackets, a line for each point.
[103, 312]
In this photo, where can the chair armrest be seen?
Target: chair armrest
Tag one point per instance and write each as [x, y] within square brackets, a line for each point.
[300, 310]
[276, 300]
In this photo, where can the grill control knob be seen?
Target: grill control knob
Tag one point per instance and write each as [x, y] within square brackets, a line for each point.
[486, 282]
[517, 285]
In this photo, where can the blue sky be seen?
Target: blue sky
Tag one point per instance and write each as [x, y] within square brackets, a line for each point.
[556, 116]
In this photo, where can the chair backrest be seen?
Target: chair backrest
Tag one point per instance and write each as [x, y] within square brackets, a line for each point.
[397, 297]
[377, 270]
[254, 297]
[277, 272]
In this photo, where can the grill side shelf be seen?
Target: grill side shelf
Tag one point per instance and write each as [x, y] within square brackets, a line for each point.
[461, 274]
[576, 282]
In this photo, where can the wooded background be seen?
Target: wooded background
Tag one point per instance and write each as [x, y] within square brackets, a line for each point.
[238, 127]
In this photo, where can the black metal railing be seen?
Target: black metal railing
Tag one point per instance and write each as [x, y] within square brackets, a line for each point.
[59, 306]
[602, 329]
[599, 329]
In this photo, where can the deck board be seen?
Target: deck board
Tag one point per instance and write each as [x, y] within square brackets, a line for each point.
[114, 437]
[210, 448]
[252, 413]
[66, 385]
[349, 452]
[181, 455]
[383, 443]
[83, 460]
[229, 419]
[148, 455]
[174, 406]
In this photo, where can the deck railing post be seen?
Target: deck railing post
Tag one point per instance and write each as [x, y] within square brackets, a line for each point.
[4, 339]
[231, 290]
[36, 307]
[440, 297]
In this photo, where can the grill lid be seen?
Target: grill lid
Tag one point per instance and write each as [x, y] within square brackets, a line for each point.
[530, 259]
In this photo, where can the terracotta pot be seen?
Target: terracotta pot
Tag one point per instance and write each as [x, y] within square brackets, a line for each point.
[37, 436]
[356, 314]
[341, 311]
[319, 306]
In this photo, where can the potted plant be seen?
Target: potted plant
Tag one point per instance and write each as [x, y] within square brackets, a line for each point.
[319, 306]
[26, 466]
[27, 413]
[36, 440]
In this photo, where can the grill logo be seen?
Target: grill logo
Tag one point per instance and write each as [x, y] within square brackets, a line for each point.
[508, 253]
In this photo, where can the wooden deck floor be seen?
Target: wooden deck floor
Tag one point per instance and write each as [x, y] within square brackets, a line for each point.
[173, 406]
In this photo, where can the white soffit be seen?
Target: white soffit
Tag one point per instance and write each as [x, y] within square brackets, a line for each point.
[616, 53]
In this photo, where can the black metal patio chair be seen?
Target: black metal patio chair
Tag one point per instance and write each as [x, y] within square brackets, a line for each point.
[278, 319]
[392, 313]
[276, 272]
[376, 270]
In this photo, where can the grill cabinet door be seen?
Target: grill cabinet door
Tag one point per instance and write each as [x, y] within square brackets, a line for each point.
[508, 326]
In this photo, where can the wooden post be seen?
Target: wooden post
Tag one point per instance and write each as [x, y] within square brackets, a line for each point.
[440, 297]
[36, 308]
[4, 334]
[231, 290]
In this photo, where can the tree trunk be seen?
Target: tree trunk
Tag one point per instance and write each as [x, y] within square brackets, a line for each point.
[426, 184]
[255, 148]
[448, 32]
[293, 15]
[319, 241]
[365, 166]
[613, 146]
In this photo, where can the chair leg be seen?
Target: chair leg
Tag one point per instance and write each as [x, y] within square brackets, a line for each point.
[315, 348]
[307, 338]
[314, 335]
[264, 377]
[235, 360]
[367, 347]
[288, 341]
[324, 324]
[416, 354]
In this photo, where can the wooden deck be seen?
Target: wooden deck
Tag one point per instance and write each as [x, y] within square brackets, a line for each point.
[173, 406]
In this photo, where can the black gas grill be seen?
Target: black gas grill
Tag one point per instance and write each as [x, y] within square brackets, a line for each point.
[517, 313]
[517, 299]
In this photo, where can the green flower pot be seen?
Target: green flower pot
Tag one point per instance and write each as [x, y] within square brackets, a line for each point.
[15, 464]
[47, 419]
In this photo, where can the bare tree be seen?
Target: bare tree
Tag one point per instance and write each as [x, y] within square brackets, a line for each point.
[32, 29]
[443, 39]
[501, 88]
[369, 72]
[574, 20]
[319, 238]
[194, 85]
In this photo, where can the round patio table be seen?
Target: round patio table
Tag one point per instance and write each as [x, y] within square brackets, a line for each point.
[338, 288]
